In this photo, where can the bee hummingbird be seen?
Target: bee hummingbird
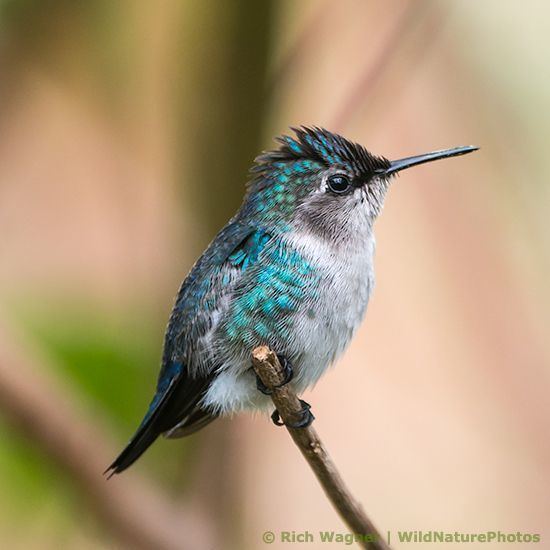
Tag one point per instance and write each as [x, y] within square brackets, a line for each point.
[293, 270]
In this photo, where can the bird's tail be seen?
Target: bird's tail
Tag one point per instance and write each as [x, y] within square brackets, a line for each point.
[150, 428]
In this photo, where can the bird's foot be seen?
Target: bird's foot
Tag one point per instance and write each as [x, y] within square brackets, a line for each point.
[288, 373]
[304, 420]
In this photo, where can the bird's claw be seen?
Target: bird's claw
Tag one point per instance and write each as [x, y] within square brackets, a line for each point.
[288, 373]
[304, 420]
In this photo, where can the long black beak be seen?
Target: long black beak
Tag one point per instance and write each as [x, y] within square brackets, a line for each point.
[401, 164]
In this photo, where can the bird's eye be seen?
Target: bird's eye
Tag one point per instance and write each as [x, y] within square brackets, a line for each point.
[339, 184]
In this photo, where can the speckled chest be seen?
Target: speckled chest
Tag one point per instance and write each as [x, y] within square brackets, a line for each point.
[329, 310]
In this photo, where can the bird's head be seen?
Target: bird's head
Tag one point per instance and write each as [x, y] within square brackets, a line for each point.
[324, 183]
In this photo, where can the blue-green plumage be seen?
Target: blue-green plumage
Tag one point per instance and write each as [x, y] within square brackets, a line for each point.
[292, 270]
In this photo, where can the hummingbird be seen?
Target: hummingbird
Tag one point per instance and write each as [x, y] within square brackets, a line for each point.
[293, 270]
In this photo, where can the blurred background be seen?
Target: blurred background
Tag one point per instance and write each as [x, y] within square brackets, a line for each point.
[126, 132]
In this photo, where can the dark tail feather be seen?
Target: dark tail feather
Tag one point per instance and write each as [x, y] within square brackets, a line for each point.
[145, 435]
[141, 441]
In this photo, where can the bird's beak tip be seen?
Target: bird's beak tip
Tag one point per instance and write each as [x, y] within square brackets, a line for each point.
[402, 164]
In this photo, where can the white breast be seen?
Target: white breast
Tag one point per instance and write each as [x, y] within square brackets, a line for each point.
[326, 326]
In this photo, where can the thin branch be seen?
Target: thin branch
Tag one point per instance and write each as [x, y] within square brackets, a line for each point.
[42, 409]
[288, 405]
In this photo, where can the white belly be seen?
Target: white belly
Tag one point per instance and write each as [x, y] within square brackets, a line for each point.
[345, 293]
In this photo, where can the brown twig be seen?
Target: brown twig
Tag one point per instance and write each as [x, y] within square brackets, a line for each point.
[288, 405]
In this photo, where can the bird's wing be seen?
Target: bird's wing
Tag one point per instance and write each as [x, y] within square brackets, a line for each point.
[232, 252]
[183, 380]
